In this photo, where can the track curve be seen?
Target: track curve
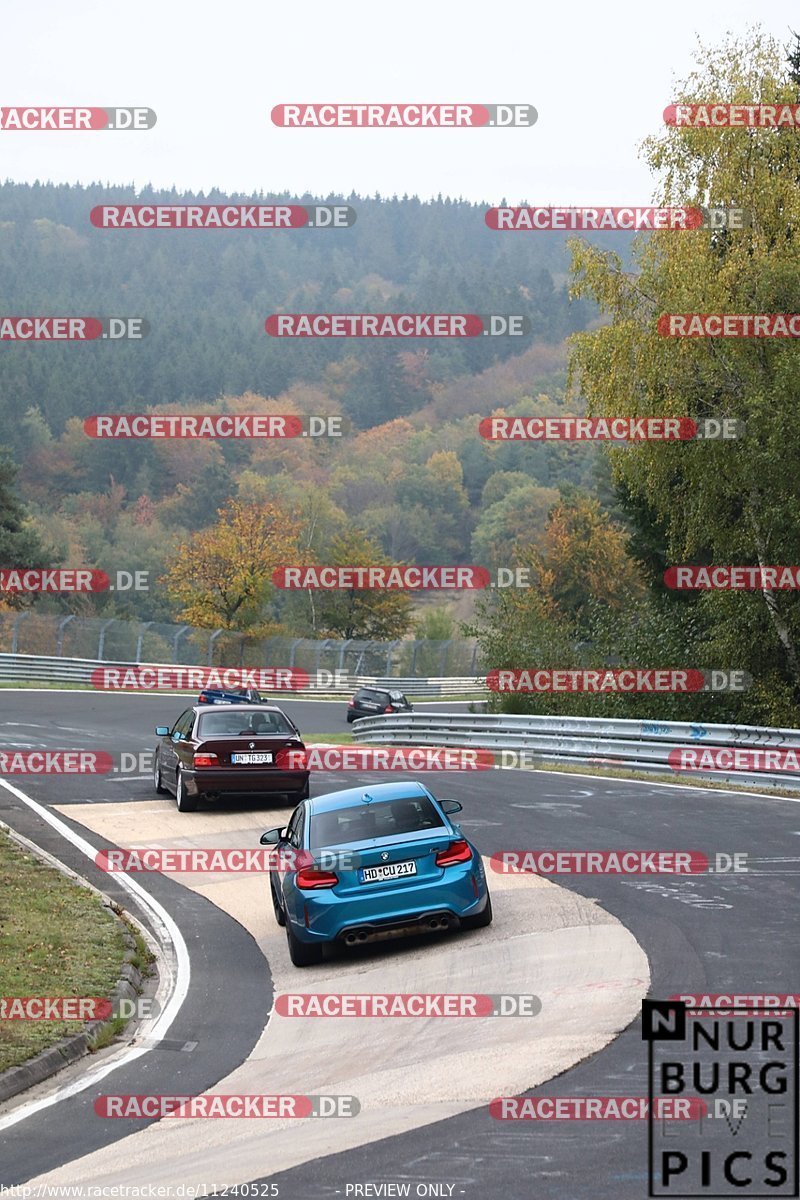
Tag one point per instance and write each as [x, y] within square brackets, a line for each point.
[711, 933]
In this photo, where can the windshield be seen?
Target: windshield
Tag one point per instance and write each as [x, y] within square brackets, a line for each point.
[388, 818]
[241, 724]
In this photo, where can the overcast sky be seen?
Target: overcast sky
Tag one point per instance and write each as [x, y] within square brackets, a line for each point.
[599, 75]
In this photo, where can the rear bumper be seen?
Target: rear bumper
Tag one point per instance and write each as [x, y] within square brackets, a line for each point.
[230, 781]
[379, 931]
[324, 917]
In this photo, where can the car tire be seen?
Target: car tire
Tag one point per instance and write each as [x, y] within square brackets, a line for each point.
[157, 783]
[301, 954]
[185, 802]
[279, 914]
[480, 920]
[350, 718]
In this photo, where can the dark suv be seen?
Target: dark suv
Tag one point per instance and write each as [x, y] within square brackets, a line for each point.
[370, 701]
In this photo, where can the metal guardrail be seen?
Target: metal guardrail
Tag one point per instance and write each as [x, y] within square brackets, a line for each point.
[113, 639]
[645, 745]
[44, 669]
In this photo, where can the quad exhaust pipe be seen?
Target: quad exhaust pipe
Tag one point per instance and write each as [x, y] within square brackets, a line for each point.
[434, 924]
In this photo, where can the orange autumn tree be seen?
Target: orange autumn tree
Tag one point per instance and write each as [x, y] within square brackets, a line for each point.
[221, 578]
[579, 562]
[584, 559]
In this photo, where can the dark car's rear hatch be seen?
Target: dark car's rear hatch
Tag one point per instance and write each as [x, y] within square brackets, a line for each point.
[254, 750]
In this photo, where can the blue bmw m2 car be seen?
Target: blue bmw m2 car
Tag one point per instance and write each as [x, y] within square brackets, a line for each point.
[371, 863]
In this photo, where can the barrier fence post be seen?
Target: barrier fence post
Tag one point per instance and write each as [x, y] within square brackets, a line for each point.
[140, 639]
[101, 644]
[60, 634]
[211, 641]
[176, 639]
[15, 636]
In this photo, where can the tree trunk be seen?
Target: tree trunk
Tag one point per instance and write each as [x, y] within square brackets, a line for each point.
[779, 622]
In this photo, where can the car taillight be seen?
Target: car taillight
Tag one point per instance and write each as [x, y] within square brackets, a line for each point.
[351, 703]
[202, 698]
[310, 877]
[456, 852]
[292, 758]
[206, 760]
[388, 708]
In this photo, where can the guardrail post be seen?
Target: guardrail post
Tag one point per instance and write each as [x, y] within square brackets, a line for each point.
[60, 634]
[360, 659]
[15, 637]
[320, 647]
[389, 653]
[342, 652]
[293, 650]
[101, 644]
[211, 641]
[176, 639]
[140, 639]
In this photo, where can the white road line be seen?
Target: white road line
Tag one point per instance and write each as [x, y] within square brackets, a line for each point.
[683, 787]
[167, 931]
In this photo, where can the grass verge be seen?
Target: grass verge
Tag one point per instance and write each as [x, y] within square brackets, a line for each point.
[56, 939]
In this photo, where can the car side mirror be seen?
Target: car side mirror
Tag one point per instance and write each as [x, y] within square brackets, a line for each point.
[162, 730]
[272, 837]
[450, 806]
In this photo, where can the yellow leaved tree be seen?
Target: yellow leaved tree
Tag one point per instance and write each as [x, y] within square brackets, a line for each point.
[221, 577]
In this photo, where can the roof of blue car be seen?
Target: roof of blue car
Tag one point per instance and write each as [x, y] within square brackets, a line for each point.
[379, 791]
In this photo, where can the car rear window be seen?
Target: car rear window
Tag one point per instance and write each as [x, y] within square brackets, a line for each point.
[370, 694]
[231, 724]
[385, 818]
